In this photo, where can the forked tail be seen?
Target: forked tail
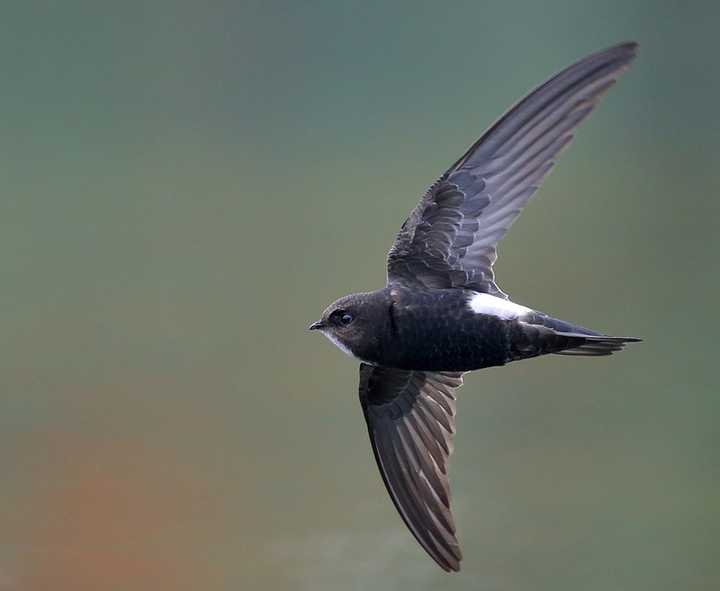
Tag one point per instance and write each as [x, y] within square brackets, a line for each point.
[539, 334]
[594, 345]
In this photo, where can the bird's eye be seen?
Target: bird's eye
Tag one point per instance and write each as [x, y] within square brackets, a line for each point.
[342, 317]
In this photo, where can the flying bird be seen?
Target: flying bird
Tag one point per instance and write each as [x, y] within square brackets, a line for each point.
[442, 314]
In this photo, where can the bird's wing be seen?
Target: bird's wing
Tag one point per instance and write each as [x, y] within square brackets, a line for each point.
[410, 417]
[450, 238]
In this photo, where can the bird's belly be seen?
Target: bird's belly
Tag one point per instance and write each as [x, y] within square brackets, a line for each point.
[449, 343]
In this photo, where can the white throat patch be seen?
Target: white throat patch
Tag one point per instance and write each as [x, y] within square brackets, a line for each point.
[484, 303]
[335, 341]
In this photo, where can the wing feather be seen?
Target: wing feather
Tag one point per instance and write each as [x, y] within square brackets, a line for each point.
[410, 420]
[450, 239]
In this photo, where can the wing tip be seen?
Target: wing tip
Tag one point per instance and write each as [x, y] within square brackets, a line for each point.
[623, 50]
[451, 567]
[629, 46]
[449, 563]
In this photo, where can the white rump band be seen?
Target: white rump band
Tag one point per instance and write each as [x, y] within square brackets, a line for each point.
[484, 303]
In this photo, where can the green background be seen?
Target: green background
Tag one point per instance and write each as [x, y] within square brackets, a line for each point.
[186, 185]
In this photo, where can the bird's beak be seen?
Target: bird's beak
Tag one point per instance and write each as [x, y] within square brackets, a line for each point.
[316, 325]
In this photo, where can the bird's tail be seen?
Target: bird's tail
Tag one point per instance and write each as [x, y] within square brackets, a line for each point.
[539, 334]
[593, 345]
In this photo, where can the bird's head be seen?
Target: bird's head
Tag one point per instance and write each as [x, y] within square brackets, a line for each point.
[349, 324]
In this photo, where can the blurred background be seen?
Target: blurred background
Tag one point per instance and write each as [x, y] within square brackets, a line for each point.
[185, 186]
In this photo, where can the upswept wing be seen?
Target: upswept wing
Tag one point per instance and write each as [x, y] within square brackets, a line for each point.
[450, 238]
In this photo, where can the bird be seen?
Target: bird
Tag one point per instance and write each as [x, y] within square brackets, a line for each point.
[442, 314]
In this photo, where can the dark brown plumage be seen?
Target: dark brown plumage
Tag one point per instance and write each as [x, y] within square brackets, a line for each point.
[442, 313]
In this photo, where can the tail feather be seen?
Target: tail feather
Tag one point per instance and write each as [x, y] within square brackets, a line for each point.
[539, 334]
[595, 345]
